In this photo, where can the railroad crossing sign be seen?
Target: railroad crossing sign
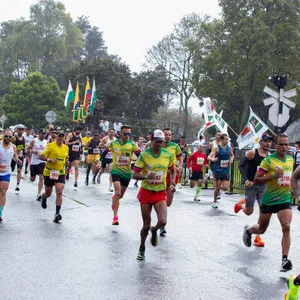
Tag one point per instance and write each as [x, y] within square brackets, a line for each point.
[279, 112]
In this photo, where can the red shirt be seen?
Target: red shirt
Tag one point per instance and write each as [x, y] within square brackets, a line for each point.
[197, 160]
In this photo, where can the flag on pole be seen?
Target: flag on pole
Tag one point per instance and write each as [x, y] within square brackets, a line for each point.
[209, 110]
[94, 97]
[204, 127]
[69, 95]
[76, 104]
[252, 132]
[87, 98]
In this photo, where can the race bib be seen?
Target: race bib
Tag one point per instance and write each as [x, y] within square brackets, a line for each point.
[54, 174]
[224, 163]
[158, 179]
[200, 161]
[285, 180]
[122, 161]
[96, 151]
[75, 148]
[3, 168]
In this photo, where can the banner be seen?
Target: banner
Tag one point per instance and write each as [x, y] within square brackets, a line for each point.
[252, 132]
[69, 95]
[76, 104]
[209, 110]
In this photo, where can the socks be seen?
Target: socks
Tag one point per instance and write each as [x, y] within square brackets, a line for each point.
[57, 209]
[198, 190]
[1, 210]
[284, 257]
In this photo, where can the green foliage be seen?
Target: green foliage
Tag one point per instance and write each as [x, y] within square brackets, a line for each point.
[28, 102]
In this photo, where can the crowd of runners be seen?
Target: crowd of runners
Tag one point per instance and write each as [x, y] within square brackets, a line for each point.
[159, 163]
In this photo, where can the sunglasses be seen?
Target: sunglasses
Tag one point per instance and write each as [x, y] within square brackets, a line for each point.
[8, 136]
[127, 133]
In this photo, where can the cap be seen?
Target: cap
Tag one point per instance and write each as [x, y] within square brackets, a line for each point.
[42, 131]
[60, 132]
[158, 135]
[88, 133]
[19, 126]
[265, 136]
[78, 127]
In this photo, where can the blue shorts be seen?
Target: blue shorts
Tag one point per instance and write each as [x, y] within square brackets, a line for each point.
[5, 178]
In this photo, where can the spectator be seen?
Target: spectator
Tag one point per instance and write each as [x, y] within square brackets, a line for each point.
[104, 126]
[117, 127]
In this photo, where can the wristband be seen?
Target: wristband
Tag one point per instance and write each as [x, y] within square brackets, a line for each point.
[174, 184]
[247, 181]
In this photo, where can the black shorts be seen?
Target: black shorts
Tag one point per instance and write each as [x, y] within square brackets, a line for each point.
[196, 175]
[14, 163]
[123, 181]
[73, 157]
[221, 176]
[106, 162]
[50, 182]
[267, 209]
[37, 169]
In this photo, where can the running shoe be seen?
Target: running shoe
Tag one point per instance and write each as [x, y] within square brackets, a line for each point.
[286, 265]
[17, 189]
[110, 189]
[238, 206]
[258, 242]
[115, 221]
[57, 218]
[292, 293]
[99, 179]
[141, 254]
[44, 203]
[26, 172]
[219, 197]
[93, 182]
[154, 237]
[196, 198]
[179, 186]
[86, 181]
[67, 176]
[75, 184]
[38, 197]
[214, 205]
[1, 219]
[163, 231]
[136, 185]
[247, 236]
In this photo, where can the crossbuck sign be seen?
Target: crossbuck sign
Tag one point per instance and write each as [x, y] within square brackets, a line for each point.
[279, 112]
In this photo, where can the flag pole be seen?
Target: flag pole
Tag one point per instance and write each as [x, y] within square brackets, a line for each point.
[232, 129]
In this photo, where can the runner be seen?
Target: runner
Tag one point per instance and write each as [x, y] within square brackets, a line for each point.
[20, 146]
[107, 160]
[74, 142]
[223, 156]
[122, 150]
[28, 138]
[175, 151]
[140, 144]
[37, 166]
[85, 140]
[152, 167]
[254, 191]
[195, 164]
[275, 170]
[8, 153]
[185, 153]
[55, 154]
[93, 156]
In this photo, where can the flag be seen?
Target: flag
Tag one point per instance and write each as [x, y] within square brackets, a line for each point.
[87, 98]
[94, 97]
[69, 95]
[76, 104]
[252, 132]
[204, 127]
[219, 122]
[209, 110]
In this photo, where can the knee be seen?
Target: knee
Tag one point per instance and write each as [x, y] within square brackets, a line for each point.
[146, 227]
[162, 222]
[117, 195]
[248, 211]
[285, 227]
[32, 179]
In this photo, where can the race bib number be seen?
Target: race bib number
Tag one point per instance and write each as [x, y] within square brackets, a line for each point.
[224, 163]
[158, 179]
[96, 151]
[122, 161]
[285, 179]
[200, 161]
[3, 168]
[54, 174]
[75, 148]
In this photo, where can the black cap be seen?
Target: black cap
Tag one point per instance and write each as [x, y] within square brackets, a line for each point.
[265, 136]
[42, 131]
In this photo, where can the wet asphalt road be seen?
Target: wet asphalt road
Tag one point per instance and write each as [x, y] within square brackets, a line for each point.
[85, 257]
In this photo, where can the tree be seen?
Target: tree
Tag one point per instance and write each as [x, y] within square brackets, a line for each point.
[29, 101]
[174, 54]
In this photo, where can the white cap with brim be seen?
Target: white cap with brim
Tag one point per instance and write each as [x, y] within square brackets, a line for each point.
[158, 135]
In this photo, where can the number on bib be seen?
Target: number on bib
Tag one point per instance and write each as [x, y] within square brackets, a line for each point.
[54, 174]
[285, 179]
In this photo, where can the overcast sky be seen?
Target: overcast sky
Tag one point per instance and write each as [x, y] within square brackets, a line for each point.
[129, 27]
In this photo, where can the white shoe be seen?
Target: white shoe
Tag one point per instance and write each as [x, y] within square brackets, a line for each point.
[214, 205]
[110, 189]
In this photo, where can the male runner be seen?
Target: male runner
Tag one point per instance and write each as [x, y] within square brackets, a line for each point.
[185, 153]
[122, 150]
[195, 164]
[254, 191]
[20, 146]
[275, 170]
[28, 138]
[152, 167]
[55, 154]
[223, 156]
[74, 142]
[36, 146]
[8, 153]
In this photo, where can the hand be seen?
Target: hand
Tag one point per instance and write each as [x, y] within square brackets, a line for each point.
[249, 184]
[214, 159]
[173, 189]
[279, 172]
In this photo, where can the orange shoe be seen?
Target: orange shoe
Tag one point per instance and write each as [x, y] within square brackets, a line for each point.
[258, 242]
[238, 206]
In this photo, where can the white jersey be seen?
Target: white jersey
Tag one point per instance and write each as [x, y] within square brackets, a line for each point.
[109, 155]
[6, 155]
[39, 146]
[28, 139]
